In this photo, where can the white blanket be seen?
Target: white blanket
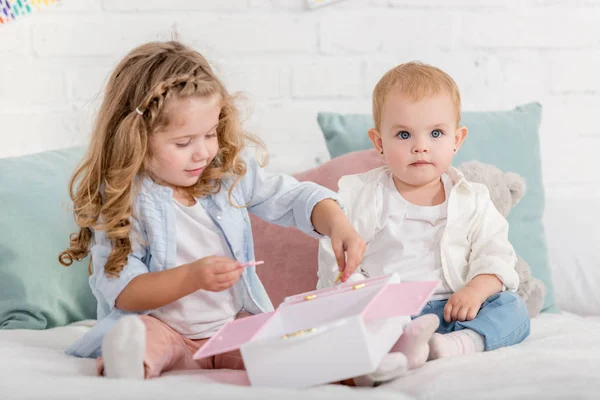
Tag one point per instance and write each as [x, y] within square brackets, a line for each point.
[561, 359]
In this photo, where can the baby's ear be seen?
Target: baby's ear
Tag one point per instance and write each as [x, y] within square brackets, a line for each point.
[516, 185]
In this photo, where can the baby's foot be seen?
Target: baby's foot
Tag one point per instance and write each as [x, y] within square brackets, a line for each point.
[123, 349]
[414, 340]
[393, 365]
[457, 343]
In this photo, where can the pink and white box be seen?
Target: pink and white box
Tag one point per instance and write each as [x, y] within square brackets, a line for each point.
[323, 336]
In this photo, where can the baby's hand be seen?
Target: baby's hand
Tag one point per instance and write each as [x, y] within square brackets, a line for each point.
[344, 239]
[463, 305]
[215, 273]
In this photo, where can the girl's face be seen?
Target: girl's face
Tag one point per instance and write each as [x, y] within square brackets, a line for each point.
[188, 144]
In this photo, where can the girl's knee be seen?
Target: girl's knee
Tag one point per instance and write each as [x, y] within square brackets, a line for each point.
[155, 327]
[149, 321]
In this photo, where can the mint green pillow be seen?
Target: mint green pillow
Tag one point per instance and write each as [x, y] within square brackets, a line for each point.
[506, 139]
[36, 292]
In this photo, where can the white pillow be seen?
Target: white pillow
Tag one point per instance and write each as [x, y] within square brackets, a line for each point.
[573, 237]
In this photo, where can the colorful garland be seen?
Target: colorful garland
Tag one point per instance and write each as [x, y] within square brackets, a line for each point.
[11, 10]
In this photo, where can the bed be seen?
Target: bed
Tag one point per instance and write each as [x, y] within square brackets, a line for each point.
[561, 358]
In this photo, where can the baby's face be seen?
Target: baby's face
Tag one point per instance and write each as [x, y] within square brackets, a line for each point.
[419, 137]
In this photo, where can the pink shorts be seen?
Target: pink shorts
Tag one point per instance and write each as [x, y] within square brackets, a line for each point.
[168, 350]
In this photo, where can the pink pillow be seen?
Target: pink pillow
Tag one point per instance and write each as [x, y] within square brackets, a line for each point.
[291, 256]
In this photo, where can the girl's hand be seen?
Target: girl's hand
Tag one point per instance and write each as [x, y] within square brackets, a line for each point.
[346, 241]
[463, 305]
[214, 273]
[329, 219]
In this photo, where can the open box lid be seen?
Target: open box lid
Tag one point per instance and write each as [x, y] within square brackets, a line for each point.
[233, 335]
[399, 299]
[378, 281]
[393, 299]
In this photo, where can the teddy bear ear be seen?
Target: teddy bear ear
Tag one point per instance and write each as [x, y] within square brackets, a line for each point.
[516, 185]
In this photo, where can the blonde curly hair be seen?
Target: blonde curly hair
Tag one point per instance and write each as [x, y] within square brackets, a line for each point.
[104, 185]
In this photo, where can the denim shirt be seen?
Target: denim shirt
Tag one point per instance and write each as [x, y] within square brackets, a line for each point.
[275, 198]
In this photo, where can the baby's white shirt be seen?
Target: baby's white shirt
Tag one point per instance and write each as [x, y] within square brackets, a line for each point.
[200, 314]
[409, 241]
[474, 241]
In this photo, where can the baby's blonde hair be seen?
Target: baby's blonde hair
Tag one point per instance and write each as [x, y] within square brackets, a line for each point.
[105, 184]
[416, 80]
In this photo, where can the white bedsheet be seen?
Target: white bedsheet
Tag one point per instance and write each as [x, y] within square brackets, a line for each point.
[561, 359]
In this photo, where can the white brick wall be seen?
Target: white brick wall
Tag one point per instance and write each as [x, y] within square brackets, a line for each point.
[294, 62]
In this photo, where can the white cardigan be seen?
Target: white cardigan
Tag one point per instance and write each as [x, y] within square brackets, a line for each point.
[474, 242]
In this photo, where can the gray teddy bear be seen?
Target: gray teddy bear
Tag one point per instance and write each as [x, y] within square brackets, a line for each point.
[506, 190]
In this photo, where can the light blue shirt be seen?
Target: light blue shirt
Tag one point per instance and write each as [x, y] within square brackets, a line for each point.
[275, 198]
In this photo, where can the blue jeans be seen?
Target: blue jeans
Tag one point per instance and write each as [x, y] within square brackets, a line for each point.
[502, 320]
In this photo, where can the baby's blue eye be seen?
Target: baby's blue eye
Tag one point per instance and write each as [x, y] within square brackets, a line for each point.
[403, 135]
[436, 133]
